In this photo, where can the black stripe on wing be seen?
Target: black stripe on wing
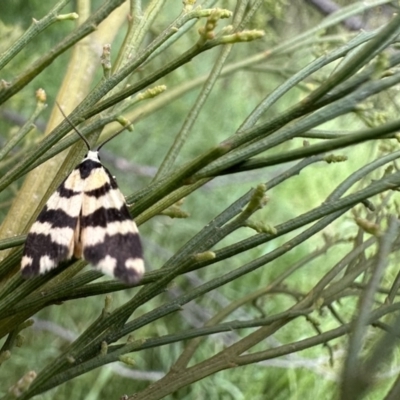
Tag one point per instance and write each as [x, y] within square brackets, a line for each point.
[120, 255]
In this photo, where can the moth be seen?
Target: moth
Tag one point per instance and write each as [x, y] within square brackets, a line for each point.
[86, 217]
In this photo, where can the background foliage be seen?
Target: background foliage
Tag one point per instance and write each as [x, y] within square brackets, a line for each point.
[261, 169]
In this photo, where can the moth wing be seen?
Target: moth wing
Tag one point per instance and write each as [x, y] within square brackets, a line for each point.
[51, 237]
[109, 237]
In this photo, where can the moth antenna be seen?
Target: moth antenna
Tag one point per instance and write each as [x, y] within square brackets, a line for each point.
[73, 126]
[113, 136]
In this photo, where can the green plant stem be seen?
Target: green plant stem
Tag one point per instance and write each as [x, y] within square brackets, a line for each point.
[47, 143]
[84, 111]
[177, 379]
[169, 200]
[180, 33]
[177, 304]
[53, 143]
[312, 150]
[182, 135]
[35, 29]
[14, 241]
[361, 57]
[353, 384]
[26, 128]
[342, 188]
[266, 140]
[155, 76]
[87, 131]
[83, 30]
[37, 300]
[191, 347]
[139, 24]
[116, 351]
[300, 76]
[100, 91]
[229, 357]
[384, 184]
